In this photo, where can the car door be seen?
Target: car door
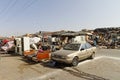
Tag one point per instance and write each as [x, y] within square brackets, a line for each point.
[88, 49]
[83, 52]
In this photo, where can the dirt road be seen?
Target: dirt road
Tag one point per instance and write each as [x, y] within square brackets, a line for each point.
[104, 67]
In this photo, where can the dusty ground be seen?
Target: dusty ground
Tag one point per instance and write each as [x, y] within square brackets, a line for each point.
[16, 68]
[101, 68]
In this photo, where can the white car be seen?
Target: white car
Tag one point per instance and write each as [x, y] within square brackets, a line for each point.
[72, 53]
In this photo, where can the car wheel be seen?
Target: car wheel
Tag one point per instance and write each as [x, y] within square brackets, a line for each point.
[75, 61]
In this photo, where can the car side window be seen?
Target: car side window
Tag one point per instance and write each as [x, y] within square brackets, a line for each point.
[83, 47]
[88, 45]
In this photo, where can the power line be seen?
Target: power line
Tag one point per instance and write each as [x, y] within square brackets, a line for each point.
[14, 3]
[10, 6]
[30, 4]
[24, 8]
[4, 9]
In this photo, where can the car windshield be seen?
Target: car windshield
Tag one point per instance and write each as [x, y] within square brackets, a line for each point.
[71, 47]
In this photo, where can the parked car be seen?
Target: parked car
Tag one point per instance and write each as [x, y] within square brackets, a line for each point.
[72, 53]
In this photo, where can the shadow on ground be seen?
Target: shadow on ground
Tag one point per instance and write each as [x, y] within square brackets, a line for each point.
[84, 75]
[53, 64]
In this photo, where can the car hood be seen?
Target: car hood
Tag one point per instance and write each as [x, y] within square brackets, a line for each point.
[63, 52]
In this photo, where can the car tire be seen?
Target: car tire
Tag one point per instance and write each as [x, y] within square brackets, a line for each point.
[75, 61]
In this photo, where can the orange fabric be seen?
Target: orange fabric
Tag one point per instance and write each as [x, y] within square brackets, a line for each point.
[43, 55]
[29, 52]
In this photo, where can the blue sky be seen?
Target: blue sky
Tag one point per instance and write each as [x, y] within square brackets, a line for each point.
[18, 17]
